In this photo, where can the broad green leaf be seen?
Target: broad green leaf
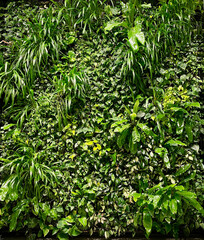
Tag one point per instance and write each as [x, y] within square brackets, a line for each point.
[70, 218]
[136, 196]
[132, 145]
[156, 199]
[135, 135]
[183, 169]
[180, 126]
[62, 223]
[173, 206]
[175, 143]
[13, 221]
[135, 35]
[118, 123]
[196, 205]
[193, 104]
[70, 40]
[158, 186]
[147, 221]
[74, 231]
[121, 128]
[83, 221]
[110, 25]
[178, 109]
[122, 137]
[62, 236]
[164, 154]
[135, 108]
[45, 231]
[189, 132]
[146, 129]
[189, 178]
[186, 194]
[3, 192]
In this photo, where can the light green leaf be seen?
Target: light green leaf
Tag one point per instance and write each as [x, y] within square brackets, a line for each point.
[136, 196]
[156, 199]
[186, 194]
[173, 206]
[135, 108]
[8, 126]
[70, 40]
[135, 135]
[121, 128]
[193, 104]
[83, 221]
[146, 129]
[178, 109]
[62, 223]
[110, 25]
[132, 145]
[45, 231]
[175, 143]
[135, 35]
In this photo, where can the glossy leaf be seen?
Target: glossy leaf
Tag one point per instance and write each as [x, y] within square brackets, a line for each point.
[83, 221]
[147, 221]
[173, 206]
[175, 143]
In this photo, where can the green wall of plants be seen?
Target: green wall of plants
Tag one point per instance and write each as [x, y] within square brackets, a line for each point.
[102, 118]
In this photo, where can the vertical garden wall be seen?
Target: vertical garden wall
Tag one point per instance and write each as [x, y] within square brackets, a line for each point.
[102, 118]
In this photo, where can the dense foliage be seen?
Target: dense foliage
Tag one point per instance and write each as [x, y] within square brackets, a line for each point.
[102, 122]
